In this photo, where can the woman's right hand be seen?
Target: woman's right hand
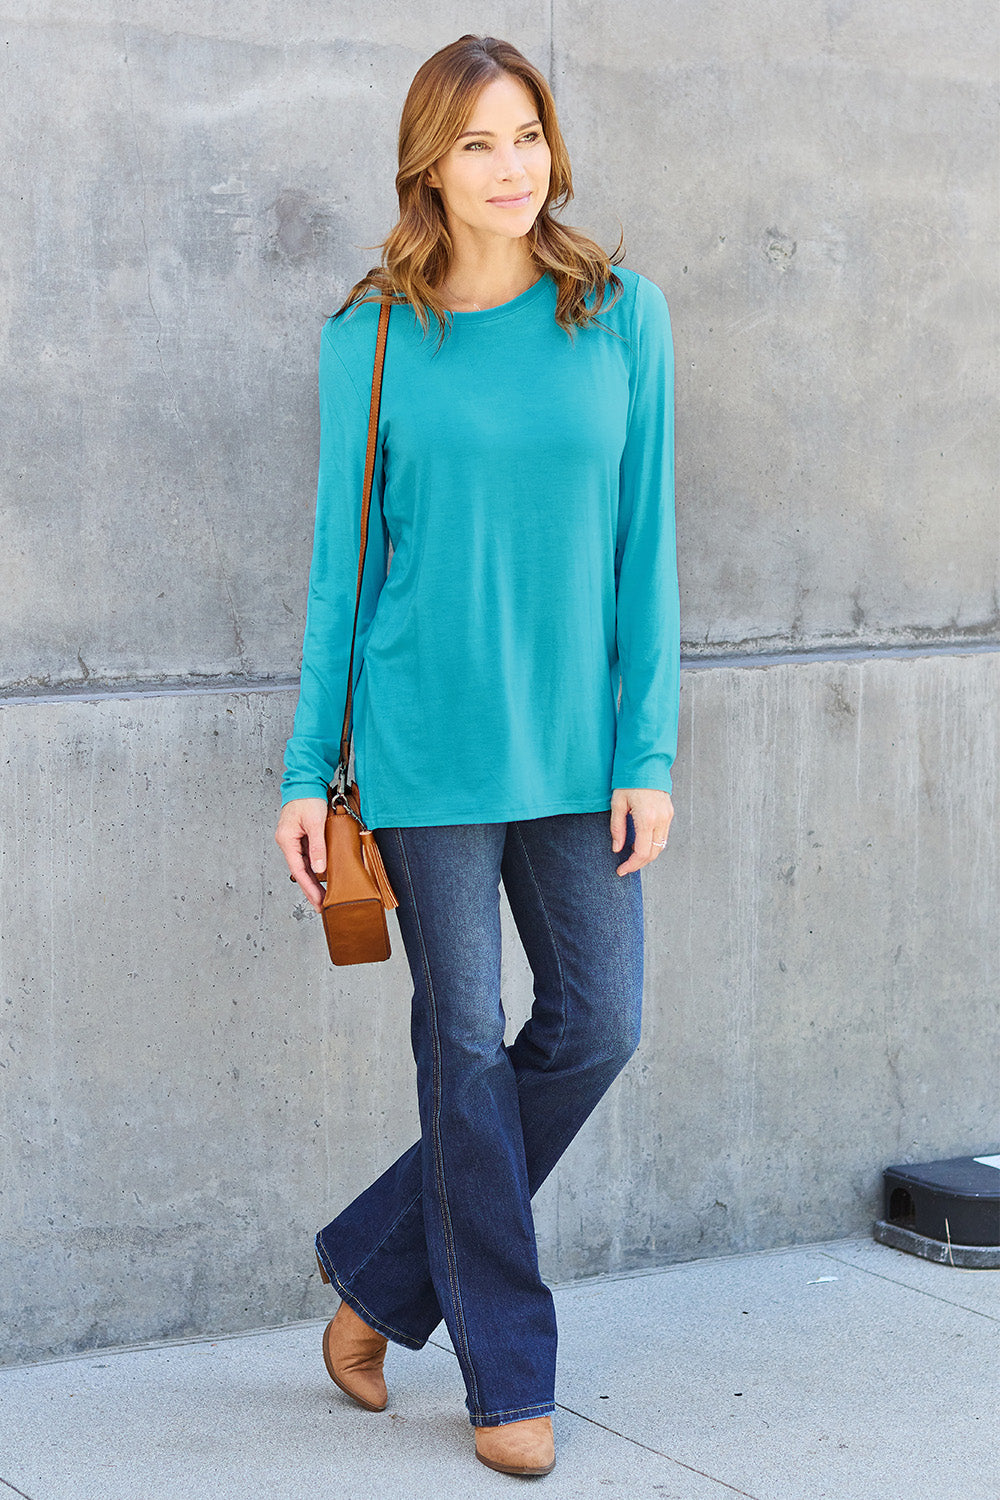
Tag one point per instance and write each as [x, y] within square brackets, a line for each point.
[301, 837]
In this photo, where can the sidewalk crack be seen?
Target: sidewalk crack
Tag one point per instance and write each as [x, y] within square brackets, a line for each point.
[658, 1451]
[920, 1291]
[14, 1488]
[561, 1406]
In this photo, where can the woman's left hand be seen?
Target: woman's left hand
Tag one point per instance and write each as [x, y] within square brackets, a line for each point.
[652, 812]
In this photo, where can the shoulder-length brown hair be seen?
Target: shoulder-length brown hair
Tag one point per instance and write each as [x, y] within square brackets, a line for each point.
[416, 253]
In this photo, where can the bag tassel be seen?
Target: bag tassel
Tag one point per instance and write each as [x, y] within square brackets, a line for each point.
[376, 869]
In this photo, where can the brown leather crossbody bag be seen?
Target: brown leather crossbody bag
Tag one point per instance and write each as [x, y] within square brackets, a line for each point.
[358, 891]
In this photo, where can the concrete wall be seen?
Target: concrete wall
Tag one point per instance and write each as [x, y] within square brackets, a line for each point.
[187, 1087]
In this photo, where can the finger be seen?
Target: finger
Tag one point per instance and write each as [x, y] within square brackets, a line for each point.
[294, 852]
[317, 848]
[619, 815]
[303, 877]
[644, 851]
[312, 892]
[635, 860]
[309, 887]
[643, 844]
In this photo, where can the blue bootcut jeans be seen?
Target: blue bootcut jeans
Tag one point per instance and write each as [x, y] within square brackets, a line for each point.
[447, 1230]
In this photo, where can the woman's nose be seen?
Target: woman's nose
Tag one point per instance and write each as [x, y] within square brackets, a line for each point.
[508, 165]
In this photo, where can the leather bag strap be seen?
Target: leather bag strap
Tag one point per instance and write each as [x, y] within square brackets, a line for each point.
[376, 401]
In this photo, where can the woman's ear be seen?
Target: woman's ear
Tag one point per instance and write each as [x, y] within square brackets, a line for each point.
[431, 178]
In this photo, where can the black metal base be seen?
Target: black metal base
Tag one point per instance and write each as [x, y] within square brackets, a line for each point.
[970, 1257]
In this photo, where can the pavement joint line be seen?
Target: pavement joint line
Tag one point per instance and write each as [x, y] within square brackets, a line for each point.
[604, 1278]
[444, 1348]
[561, 1406]
[658, 1451]
[149, 1346]
[14, 1488]
[921, 1291]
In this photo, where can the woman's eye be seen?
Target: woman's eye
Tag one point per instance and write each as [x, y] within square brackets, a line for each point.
[529, 138]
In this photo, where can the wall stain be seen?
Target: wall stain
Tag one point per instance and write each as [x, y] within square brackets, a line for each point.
[300, 226]
[839, 704]
[779, 248]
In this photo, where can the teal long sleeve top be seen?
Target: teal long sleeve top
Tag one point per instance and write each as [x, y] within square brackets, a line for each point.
[517, 652]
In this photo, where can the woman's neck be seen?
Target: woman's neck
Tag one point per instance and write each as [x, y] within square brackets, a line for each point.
[480, 277]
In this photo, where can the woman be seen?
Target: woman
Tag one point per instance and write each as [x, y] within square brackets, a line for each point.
[516, 681]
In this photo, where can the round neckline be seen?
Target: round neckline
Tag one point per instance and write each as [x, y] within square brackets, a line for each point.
[502, 309]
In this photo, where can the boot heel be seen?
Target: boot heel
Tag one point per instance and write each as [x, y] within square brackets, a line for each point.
[322, 1271]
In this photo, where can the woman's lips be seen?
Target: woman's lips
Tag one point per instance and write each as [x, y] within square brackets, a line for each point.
[510, 202]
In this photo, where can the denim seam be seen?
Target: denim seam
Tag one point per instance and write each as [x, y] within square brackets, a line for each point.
[555, 949]
[449, 1234]
[516, 1411]
[391, 1230]
[351, 1298]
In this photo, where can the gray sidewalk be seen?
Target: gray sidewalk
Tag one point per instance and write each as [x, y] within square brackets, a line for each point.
[840, 1371]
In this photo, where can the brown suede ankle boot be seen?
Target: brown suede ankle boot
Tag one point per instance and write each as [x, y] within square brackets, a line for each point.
[518, 1447]
[353, 1354]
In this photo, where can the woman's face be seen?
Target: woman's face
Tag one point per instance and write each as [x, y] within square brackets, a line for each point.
[495, 178]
